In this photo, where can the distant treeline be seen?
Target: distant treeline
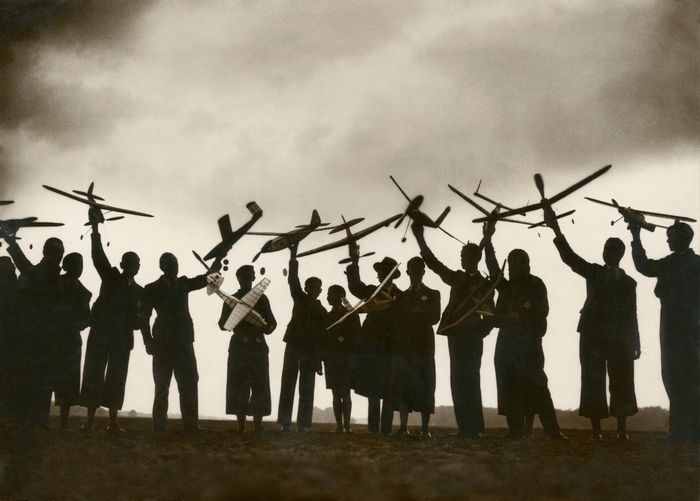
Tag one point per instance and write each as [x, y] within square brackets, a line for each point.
[647, 419]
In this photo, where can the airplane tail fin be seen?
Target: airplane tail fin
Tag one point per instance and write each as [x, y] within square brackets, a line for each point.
[442, 217]
[315, 218]
[214, 281]
[225, 226]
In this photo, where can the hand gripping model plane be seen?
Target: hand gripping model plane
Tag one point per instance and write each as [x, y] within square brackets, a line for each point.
[637, 216]
[241, 309]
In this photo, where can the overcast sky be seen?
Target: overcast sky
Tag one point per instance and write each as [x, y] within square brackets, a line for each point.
[188, 110]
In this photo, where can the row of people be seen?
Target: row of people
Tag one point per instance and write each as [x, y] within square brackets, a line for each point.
[389, 359]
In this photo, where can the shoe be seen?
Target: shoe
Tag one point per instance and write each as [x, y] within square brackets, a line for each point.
[425, 435]
[285, 428]
[339, 429]
[259, 428]
[302, 429]
[87, 427]
[557, 436]
[403, 432]
[596, 437]
[193, 429]
[115, 429]
[347, 429]
[623, 437]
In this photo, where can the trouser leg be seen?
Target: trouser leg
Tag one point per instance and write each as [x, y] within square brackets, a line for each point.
[373, 414]
[187, 379]
[162, 375]
[290, 369]
[307, 383]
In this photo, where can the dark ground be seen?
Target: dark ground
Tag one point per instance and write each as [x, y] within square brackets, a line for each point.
[220, 464]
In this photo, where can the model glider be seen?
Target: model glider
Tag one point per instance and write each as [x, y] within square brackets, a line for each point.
[413, 212]
[9, 227]
[637, 216]
[373, 297]
[230, 237]
[94, 202]
[241, 309]
[355, 236]
[539, 182]
[479, 302]
[287, 239]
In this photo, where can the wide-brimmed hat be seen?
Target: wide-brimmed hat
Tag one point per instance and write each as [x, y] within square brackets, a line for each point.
[386, 265]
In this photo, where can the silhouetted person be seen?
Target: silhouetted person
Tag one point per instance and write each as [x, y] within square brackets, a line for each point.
[115, 316]
[339, 348]
[609, 332]
[172, 342]
[465, 340]
[8, 329]
[374, 343]
[413, 353]
[248, 373]
[678, 288]
[38, 303]
[521, 315]
[75, 318]
[301, 353]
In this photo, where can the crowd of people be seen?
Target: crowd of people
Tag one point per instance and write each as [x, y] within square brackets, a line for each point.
[388, 357]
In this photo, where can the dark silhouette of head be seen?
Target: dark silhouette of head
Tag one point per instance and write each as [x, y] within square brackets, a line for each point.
[471, 255]
[7, 269]
[312, 287]
[168, 265]
[518, 264]
[73, 265]
[245, 275]
[130, 264]
[335, 295]
[613, 251]
[678, 236]
[383, 268]
[53, 251]
[415, 268]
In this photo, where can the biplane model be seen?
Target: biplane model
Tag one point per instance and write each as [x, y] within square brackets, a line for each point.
[230, 237]
[493, 215]
[95, 204]
[539, 182]
[300, 232]
[241, 309]
[9, 227]
[354, 236]
[359, 307]
[637, 216]
[413, 212]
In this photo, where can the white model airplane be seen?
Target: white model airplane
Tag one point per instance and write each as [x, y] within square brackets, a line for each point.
[369, 300]
[241, 309]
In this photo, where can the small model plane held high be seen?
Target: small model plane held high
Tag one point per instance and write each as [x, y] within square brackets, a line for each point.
[637, 216]
[230, 237]
[95, 204]
[539, 182]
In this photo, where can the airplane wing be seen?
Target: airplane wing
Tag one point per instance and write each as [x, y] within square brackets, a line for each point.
[38, 224]
[6, 202]
[95, 204]
[647, 213]
[241, 310]
[368, 300]
[355, 236]
[555, 198]
[559, 216]
[484, 211]
[224, 223]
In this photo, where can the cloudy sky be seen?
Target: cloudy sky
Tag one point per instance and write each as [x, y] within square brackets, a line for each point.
[188, 110]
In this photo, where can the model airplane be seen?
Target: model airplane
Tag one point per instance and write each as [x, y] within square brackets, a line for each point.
[539, 182]
[96, 207]
[638, 216]
[230, 237]
[9, 227]
[354, 249]
[478, 303]
[413, 212]
[359, 306]
[241, 309]
[289, 238]
[355, 236]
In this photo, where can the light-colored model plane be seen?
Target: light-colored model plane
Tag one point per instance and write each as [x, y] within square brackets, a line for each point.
[637, 216]
[362, 306]
[355, 236]
[241, 309]
[230, 237]
[413, 212]
[94, 201]
[539, 182]
[287, 239]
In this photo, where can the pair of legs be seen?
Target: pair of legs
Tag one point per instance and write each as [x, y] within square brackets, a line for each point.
[403, 416]
[465, 382]
[297, 363]
[178, 359]
[342, 407]
[380, 414]
[248, 386]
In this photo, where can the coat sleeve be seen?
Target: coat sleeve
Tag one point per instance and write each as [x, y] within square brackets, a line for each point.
[293, 280]
[18, 257]
[645, 266]
[195, 283]
[99, 258]
[356, 286]
[534, 310]
[571, 259]
[448, 276]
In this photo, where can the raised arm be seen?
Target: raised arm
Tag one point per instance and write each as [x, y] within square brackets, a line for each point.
[355, 284]
[17, 254]
[99, 258]
[489, 252]
[293, 276]
[447, 275]
[645, 266]
[567, 254]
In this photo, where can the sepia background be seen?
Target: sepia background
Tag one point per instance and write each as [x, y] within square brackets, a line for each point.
[188, 110]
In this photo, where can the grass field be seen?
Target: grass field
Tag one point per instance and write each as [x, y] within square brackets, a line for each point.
[220, 464]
